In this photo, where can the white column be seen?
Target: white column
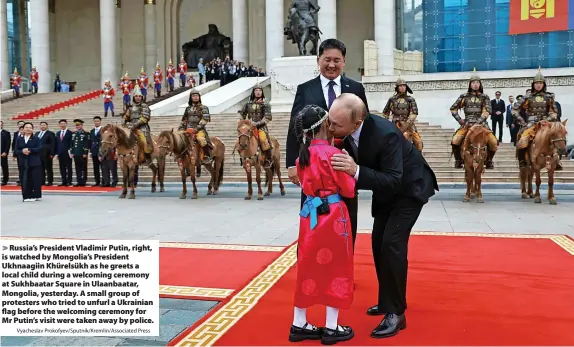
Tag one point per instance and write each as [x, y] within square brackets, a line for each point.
[274, 46]
[149, 35]
[40, 43]
[328, 19]
[385, 36]
[240, 48]
[108, 51]
[4, 62]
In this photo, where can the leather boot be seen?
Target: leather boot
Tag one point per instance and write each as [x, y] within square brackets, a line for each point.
[268, 158]
[489, 156]
[457, 157]
[522, 158]
[105, 114]
[113, 114]
[206, 154]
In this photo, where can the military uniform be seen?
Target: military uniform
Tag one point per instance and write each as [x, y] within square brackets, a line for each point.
[258, 111]
[80, 146]
[539, 106]
[477, 107]
[194, 120]
[403, 107]
[137, 119]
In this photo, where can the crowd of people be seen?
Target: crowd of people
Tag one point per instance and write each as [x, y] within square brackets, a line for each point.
[227, 70]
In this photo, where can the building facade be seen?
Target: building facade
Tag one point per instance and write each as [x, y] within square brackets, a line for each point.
[89, 41]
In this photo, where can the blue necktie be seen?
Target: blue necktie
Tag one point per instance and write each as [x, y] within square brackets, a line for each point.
[331, 93]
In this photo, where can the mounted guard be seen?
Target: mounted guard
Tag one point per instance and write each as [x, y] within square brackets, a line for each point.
[477, 107]
[402, 110]
[194, 120]
[540, 107]
[258, 111]
[137, 119]
[301, 26]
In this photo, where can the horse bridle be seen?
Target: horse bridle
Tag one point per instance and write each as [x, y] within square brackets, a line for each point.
[249, 134]
[478, 150]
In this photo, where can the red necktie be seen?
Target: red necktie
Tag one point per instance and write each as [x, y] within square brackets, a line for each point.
[62, 135]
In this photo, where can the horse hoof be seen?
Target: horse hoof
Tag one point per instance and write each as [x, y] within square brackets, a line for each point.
[282, 192]
[259, 198]
[247, 198]
[182, 197]
[553, 202]
[537, 200]
[466, 199]
[267, 194]
[531, 196]
[472, 196]
[131, 197]
[215, 192]
[524, 196]
[153, 189]
[193, 197]
[209, 193]
[161, 190]
[123, 196]
[480, 200]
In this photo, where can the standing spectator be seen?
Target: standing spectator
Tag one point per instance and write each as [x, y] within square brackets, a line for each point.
[201, 70]
[95, 141]
[63, 143]
[109, 168]
[4, 149]
[28, 149]
[57, 84]
[48, 140]
[511, 124]
[498, 109]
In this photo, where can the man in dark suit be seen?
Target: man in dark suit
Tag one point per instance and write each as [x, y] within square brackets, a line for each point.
[497, 117]
[63, 143]
[95, 140]
[401, 182]
[5, 150]
[322, 91]
[48, 139]
[109, 168]
[510, 122]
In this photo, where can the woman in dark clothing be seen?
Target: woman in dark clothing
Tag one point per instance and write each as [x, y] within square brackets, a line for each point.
[28, 149]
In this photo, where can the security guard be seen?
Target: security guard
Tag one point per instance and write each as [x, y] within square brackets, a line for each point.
[79, 152]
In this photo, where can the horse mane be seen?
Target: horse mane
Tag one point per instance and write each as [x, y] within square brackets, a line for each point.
[244, 122]
[124, 135]
[179, 139]
[476, 133]
[543, 136]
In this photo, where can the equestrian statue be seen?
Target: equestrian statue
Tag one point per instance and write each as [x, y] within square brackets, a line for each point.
[302, 26]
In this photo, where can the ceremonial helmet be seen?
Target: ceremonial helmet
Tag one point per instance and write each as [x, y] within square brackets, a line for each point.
[126, 76]
[193, 92]
[539, 78]
[136, 92]
[475, 77]
[142, 71]
[182, 59]
[107, 82]
[257, 86]
[34, 67]
[15, 71]
[157, 67]
[170, 62]
[401, 82]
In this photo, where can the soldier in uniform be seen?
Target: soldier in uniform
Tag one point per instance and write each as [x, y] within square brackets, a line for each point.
[258, 111]
[170, 74]
[194, 120]
[143, 83]
[16, 80]
[80, 146]
[137, 119]
[539, 107]
[157, 80]
[477, 108]
[403, 107]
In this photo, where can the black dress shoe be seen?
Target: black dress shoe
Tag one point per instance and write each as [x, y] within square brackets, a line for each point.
[390, 326]
[331, 337]
[62, 185]
[374, 311]
[297, 334]
[95, 185]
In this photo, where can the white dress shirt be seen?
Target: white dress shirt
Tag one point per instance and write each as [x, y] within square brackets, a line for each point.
[355, 136]
[26, 138]
[325, 84]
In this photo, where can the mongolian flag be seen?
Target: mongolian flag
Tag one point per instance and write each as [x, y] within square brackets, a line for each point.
[533, 16]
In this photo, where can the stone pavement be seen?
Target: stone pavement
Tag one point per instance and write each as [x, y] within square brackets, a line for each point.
[228, 219]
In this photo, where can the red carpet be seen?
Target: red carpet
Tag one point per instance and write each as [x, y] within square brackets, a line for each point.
[57, 189]
[211, 268]
[461, 291]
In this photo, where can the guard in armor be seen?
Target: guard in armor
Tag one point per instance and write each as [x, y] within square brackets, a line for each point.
[126, 88]
[34, 77]
[403, 107]
[137, 119]
[79, 148]
[170, 74]
[157, 79]
[108, 93]
[305, 9]
[540, 107]
[143, 83]
[16, 80]
[194, 120]
[477, 107]
[258, 111]
[182, 68]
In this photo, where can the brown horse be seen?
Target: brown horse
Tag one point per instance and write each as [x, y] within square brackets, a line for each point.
[545, 150]
[180, 144]
[214, 167]
[128, 152]
[247, 147]
[474, 152]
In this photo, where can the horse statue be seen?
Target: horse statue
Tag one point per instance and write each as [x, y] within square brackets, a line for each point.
[544, 152]
[181, 145]
[474, 152]
[130, 156]
[302, 27]
[247, 147]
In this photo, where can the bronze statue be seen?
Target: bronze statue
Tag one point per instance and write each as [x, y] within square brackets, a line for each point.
[302, 26]
[209, 46]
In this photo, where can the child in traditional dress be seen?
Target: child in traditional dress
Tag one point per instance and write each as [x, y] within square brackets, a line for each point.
[325, 245]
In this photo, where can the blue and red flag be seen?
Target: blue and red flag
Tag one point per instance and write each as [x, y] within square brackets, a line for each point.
[533, 16]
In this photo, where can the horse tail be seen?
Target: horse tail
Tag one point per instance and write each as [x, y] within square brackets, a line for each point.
[220, 178]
